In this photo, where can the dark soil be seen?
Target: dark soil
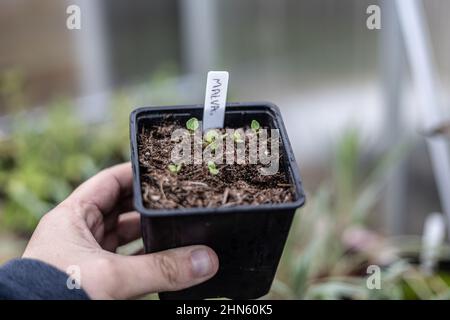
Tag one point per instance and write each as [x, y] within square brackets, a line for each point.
[194, 186]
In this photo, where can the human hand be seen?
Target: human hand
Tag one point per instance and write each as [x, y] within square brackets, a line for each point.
[86, 229]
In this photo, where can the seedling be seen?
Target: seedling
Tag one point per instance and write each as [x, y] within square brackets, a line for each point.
[213, 145]
[211, 136]
[192, 124]
[237, 137]
[255, 126]
[174, 168]
[212, 168]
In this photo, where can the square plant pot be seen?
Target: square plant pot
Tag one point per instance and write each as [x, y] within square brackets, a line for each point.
[248, 239]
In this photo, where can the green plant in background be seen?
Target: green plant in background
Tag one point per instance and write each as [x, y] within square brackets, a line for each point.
[44, 159]
[330, 248]
[12, 85]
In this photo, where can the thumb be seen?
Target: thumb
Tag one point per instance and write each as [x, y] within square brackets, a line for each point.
[169, 270]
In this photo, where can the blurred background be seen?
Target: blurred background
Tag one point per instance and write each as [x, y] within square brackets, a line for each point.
[347, 94]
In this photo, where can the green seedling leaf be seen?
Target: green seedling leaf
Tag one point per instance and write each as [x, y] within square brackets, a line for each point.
[174, 168]
[212, 168]
[213, 145]
[237, 137]
[211, 136]
[255, 125]
[192, 124]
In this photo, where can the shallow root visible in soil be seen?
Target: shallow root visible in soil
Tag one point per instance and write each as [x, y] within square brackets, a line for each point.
[194, 186]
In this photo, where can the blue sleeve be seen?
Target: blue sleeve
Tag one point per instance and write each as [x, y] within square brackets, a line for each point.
[27, 279]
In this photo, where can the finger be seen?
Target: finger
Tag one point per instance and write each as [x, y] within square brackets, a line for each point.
[169, 270]
[124, 206]
[126, 229]
[106, 188]
[139, 252]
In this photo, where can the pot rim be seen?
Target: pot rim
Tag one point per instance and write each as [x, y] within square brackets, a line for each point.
[231, 107]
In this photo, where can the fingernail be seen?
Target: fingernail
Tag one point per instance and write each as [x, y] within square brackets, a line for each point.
[201, 263]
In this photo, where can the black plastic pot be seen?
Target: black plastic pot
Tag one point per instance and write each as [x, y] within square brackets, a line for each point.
[249, 240]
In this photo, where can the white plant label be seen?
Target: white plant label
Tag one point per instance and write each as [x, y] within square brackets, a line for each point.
[215, 100]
